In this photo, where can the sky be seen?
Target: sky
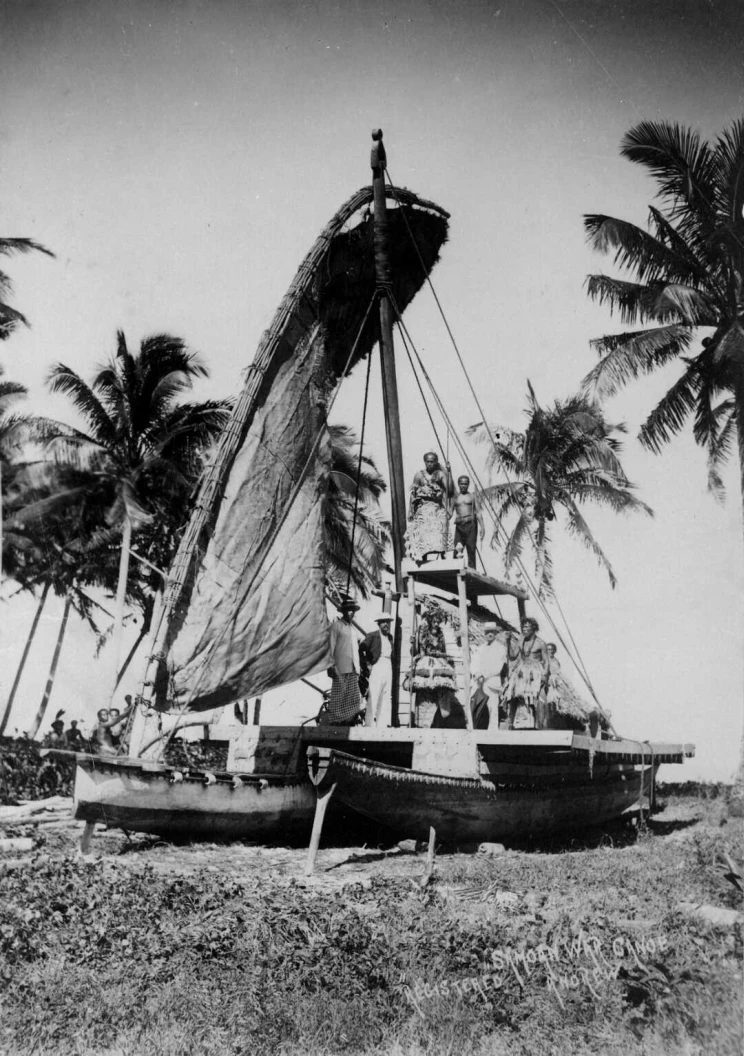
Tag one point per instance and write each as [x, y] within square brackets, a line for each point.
[180, 159]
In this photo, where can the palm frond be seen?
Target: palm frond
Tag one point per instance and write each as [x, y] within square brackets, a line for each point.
[691, 306]
[578, 527]
[693, 251]
[729, 153]
[719, 447]
[515, 542]
[634, 302]
[64, 380]
[649, 258]
[625, 357]
[671, 412]
[11, 246]
[683, 166]
[9, 320]
[605, 490]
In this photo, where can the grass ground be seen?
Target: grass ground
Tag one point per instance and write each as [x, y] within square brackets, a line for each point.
[565, 947]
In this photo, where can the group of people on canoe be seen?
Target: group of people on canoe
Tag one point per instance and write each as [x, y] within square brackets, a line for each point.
[517, 684]
[107, 737]
[433, 502]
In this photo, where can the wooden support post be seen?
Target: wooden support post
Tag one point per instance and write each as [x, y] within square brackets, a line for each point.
[321, 806]
[411, 664]
[465, 648]
[428, 872]
[86, 837]
[522, 609]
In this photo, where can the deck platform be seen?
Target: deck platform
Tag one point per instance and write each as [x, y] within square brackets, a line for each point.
[444, 574]
[625, 751]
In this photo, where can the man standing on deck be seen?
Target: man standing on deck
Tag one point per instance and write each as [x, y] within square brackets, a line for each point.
[468, 519]
[376, 652]
[487, 667]
[345, 703]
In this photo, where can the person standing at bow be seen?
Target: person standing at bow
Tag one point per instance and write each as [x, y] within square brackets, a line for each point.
[345, 702]
[376, 651]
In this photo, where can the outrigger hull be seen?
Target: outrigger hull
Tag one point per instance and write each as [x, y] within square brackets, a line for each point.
[474, 810]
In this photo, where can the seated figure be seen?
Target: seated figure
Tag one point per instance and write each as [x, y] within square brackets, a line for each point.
[433, 673]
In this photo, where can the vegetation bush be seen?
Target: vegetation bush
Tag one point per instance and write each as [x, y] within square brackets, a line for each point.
[201, 755]
[100, 957]
[25, 775]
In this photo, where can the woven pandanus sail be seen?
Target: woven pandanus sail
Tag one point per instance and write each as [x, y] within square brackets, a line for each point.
[244, 609]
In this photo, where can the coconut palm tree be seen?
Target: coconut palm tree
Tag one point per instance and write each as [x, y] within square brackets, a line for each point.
[11, 435]
[10, 318]
[45, 550]
[350, 484]
[140, 452]
[567, 457]
[685, 292]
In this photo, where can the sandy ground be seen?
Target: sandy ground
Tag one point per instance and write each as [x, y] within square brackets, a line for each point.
[336, 866]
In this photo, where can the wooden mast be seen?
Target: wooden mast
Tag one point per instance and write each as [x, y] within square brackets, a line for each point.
[378, 162]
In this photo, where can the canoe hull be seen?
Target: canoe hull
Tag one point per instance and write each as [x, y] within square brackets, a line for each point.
[472, 810]
[123, 794]
[472, 787]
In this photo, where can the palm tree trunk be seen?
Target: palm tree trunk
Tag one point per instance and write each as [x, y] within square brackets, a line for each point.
[121, 593]
[1, 531]
[24, 658]
[737, 796]
[52, 670]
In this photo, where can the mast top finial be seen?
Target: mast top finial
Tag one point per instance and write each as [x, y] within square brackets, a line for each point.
[378, 159]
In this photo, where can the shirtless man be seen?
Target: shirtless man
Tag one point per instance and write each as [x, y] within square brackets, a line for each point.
[468, 519]
[102, 741]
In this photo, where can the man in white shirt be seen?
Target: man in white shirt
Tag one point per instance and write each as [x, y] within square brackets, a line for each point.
[486, 667]
[345, 702]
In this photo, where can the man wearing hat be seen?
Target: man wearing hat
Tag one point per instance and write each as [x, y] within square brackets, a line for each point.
[57, 738]
[376, 651]
[345, 703]
[487, 667]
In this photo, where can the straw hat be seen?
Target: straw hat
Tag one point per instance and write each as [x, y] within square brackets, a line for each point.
[383, 617]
